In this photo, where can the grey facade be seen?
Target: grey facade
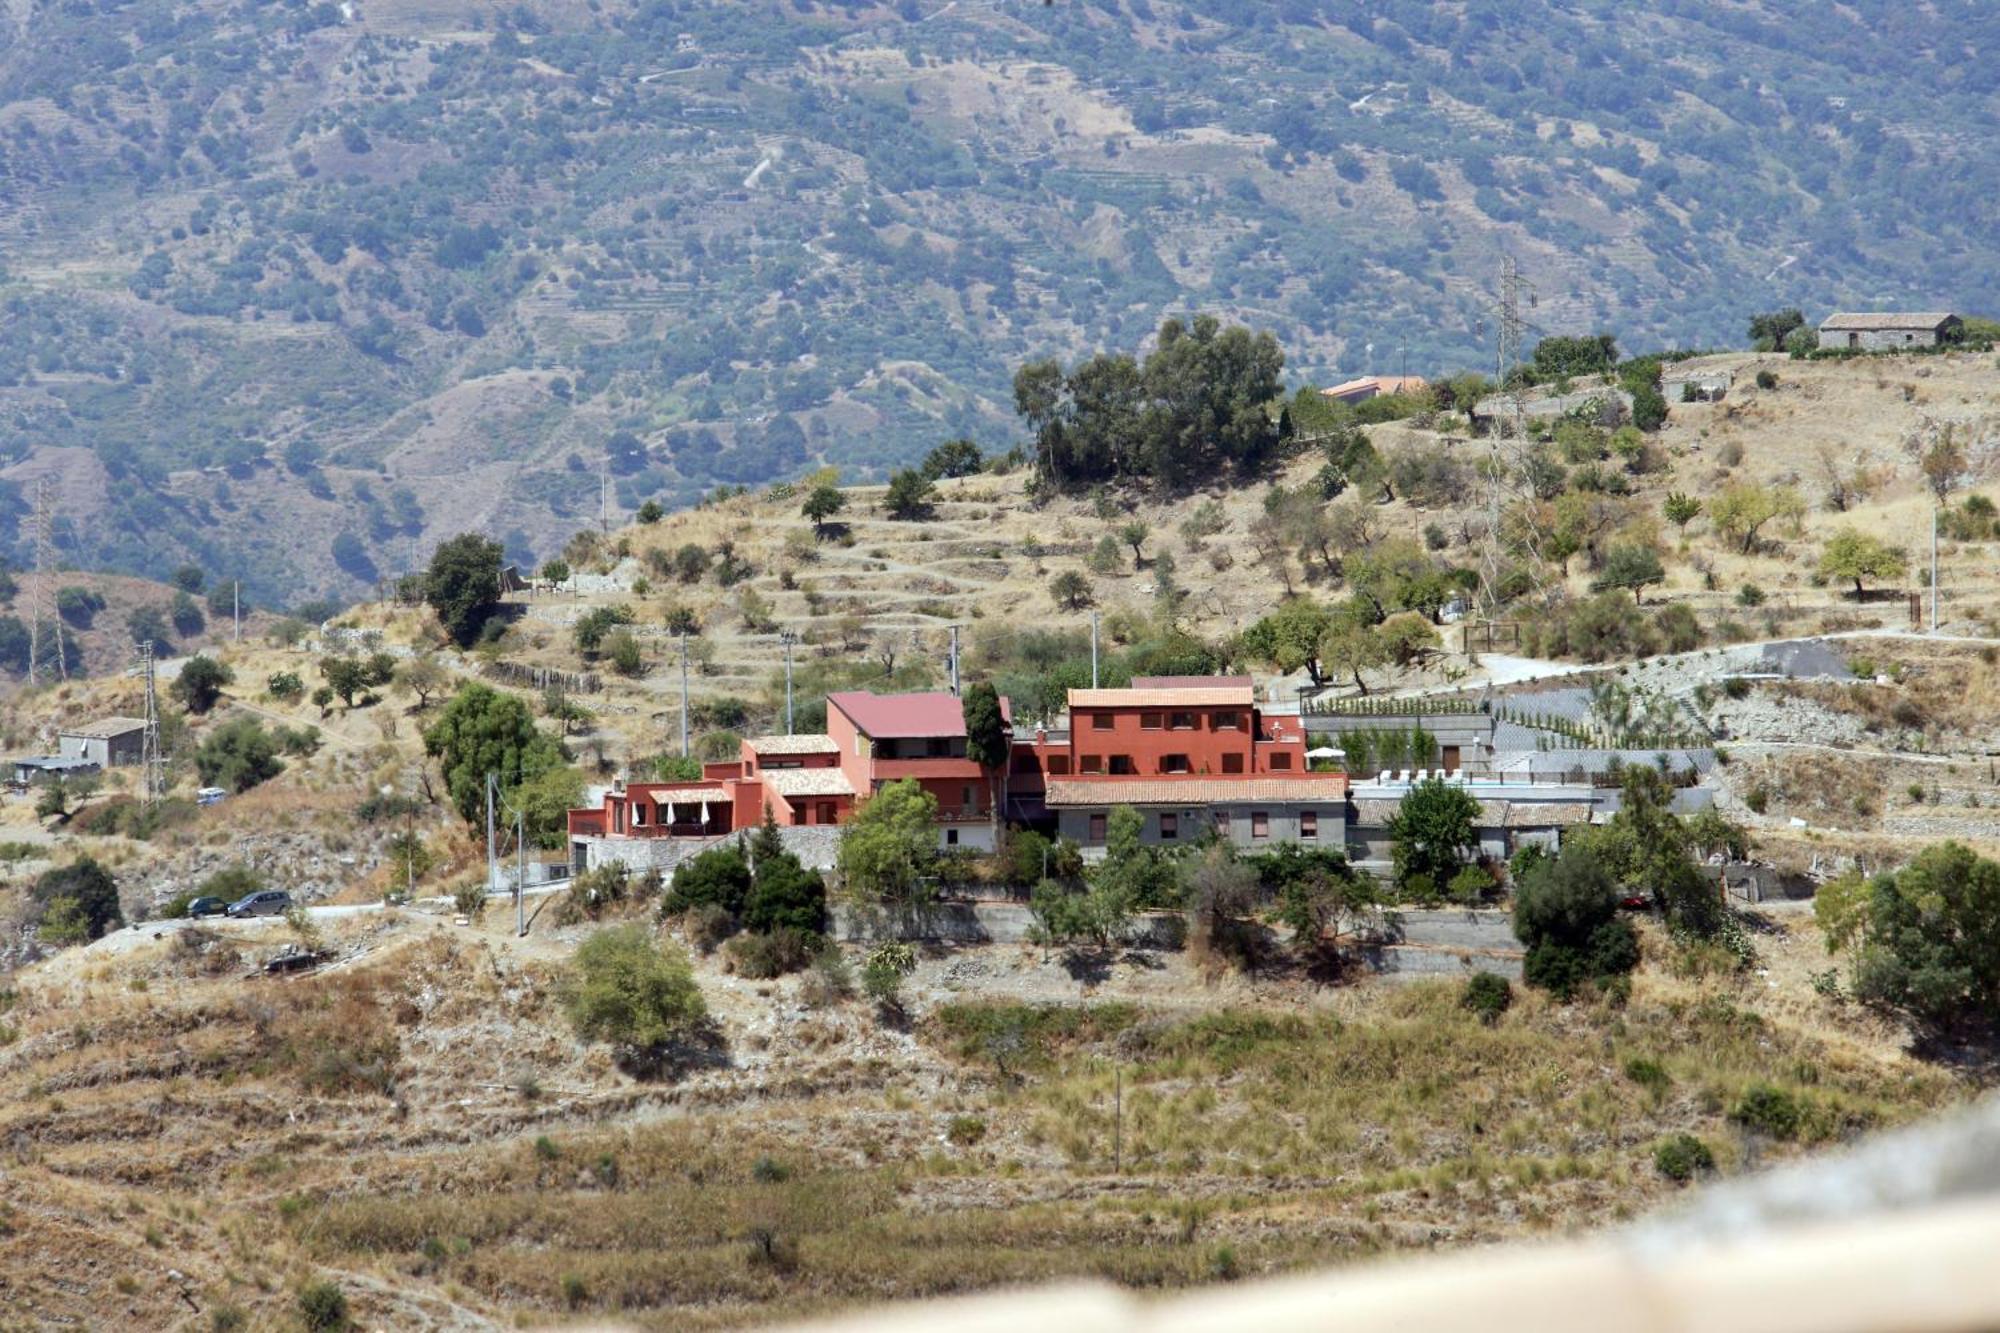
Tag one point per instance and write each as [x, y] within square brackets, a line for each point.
[1887, 331]
[109, 743]
[1250, 825]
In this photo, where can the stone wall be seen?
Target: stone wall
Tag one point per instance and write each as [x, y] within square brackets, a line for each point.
[984, 923]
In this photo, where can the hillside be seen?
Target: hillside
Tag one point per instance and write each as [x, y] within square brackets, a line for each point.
[396, 270]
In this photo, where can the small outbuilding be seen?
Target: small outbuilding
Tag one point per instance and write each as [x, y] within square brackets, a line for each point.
[50, 767]
[109, 742]
[1888, 331]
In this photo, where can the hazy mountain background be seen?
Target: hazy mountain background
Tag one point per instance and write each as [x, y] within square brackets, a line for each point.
[294, 289]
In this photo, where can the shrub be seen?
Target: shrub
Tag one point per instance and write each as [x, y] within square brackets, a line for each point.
[323, 1306]
[719, 877]
[965, 1130]
[1488, 995]
[763, 956]
[829, 980]
[285, 686]
[1648, 1073]
[709, 925]
[1566, 913]
[238, 755]
[882, 975]
[1767, 379]
[1769, 1111]
[200, 683]
[627, 990]
[1758, 798]
[1682, 1157]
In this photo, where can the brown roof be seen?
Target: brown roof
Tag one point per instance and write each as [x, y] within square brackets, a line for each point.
[1887, 319]
[790, 782]
[1209, 696]
[792, 745]
[1195, 791]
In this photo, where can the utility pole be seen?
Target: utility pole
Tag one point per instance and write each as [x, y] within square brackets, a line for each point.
[1934, 569]
[521, 877]
[684, 694]
[1093, 650]
[1118, 1120]
[492, 866]
[954, 659]
[236, 596]
[788, 638]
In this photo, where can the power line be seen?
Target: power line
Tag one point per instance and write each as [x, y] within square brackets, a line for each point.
[47, 655]
[153, 764]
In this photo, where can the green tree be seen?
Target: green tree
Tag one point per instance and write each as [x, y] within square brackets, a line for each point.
[1290, 637]
[1566, 914]
[1943, 464]
[285, 686]
[1681, 509]
[1351, 646]
[1650, 852]
[1769, 330]
[238, 755]
[1071, 590]
[345, 676]
[1849, 554]
[1631, 565]
[90, 886]
[783, 894]
[545, 800]
[200, 683]
[1132, 873]
[1429, 834]
[187, 616]
[910, 495]
[484, 731]
[888, 849]
[1740, 512]
[1568, 358]
[1134, 535]
[635, 994]
[953, 458]
[463, 585]
[422, 676]
[987, 743]
[1925, 940]
[823, 503]
[556, 571]
[147, 625]
[718, 877]
[650, 512]
[189, 578]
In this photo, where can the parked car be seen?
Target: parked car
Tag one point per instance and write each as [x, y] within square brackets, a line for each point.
[209, 795]
[269, 902]
[208, 907]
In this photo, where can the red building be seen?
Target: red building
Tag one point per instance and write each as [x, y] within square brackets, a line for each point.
[1192, 754]
[884, 738]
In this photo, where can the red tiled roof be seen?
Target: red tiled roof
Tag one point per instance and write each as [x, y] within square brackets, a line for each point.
[907, 716]
[1192, 682]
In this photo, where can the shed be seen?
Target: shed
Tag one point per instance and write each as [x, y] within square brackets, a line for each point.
[108, 742]
[1888, 331]
[49, 767]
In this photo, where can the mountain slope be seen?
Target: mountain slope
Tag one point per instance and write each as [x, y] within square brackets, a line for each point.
[387, 270]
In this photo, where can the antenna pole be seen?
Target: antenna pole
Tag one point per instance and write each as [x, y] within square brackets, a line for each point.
[152, 762]
[492, 868]
[954, 659]
[236, 596]
[788, 638]
[1934, 568]
[1093, 650]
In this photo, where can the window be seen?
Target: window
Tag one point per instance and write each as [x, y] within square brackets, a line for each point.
[1101, 722]
[967, 799]
[802, 815]
[1181, 721]
[1260, 824]
[1122, 764]
[1232, 763]
[1308, 823]
[1097, 828]
[1174, 763]
[1149, 721]
[638, 815]
[1221, 823]
[1280, 762]
[1058, 765]
[1170, 827]
[1228, 722]
[1092, 763]
[827, 814]
[951, 837]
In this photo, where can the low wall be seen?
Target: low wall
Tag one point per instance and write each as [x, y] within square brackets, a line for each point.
[982, 923]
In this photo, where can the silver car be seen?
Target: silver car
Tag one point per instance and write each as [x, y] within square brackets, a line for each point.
[266, 902]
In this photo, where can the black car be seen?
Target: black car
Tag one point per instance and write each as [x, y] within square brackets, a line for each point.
[210, 906]
[269, 902]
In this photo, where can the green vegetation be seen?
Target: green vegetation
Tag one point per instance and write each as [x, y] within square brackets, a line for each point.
[82, 897]
[889, 847]
[481, 731]
[635, 994]
[463, 585]
[1925, 939]
[200, 683]
[238, 755]
[1430, 834]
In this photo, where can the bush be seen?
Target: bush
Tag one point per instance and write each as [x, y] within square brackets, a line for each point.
[1649, 1074]
[1767, 379]
[1682, 1157]
[965, 1130]
[239, 755]
[719, 877]
[764, 956]
[709, 925]
[882, 975]
[1769, 1111]
[1488, 995]
[829, 980]
[200, 683]
[627, 990]
[323, 1306]
[1566, 913]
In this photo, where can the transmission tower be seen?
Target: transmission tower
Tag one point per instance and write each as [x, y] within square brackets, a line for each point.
[1508, 423]
[153, 763]
[47, 658]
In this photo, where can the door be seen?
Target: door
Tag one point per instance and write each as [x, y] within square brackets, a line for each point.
[1448, 757]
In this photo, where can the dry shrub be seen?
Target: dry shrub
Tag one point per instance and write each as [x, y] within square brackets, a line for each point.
[198, 951]
[337, 1035]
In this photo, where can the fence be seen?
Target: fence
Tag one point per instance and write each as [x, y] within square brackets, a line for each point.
[542, 678]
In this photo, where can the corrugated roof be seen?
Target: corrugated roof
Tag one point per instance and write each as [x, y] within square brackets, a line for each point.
[790, 782]
[907, 716]
[1226, 696]
[106, 727]
[1196, 791]
[792, 745]
[1886, 319]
